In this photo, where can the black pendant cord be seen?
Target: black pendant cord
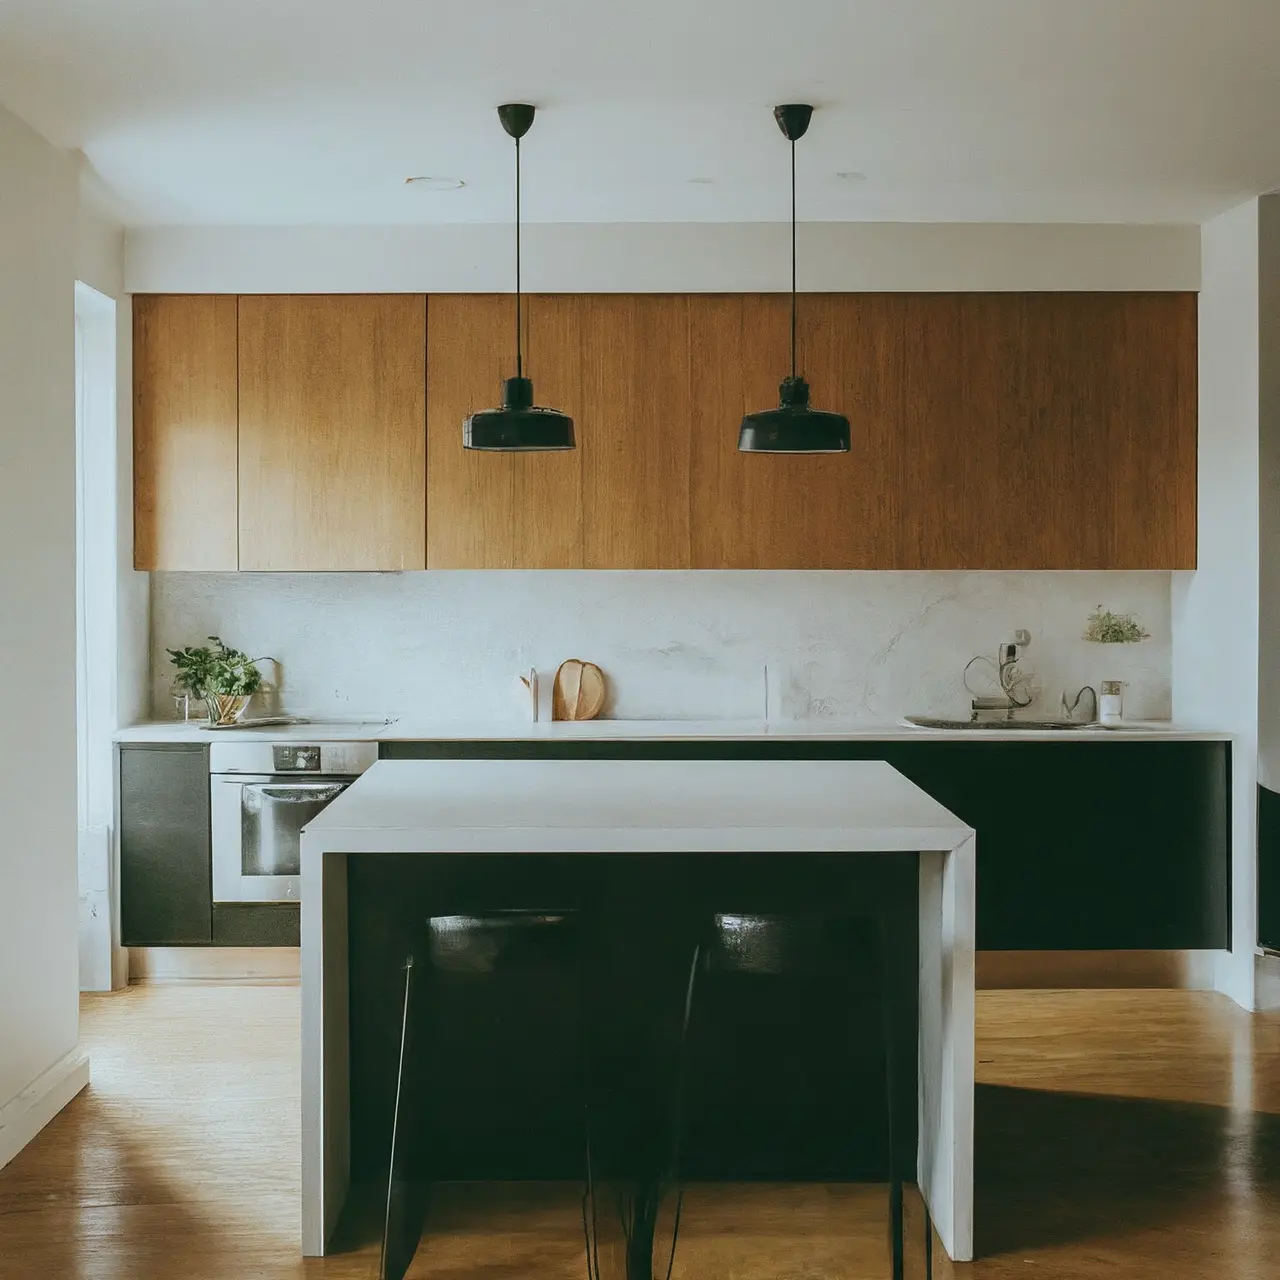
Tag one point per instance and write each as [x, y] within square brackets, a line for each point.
[793, 258]
[519, 341]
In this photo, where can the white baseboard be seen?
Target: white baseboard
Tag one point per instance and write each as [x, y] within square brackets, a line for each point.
[266, 965]
[24, 1116]
[119, 967]
[1122, 970]
[1235, 975]
[1266, 983]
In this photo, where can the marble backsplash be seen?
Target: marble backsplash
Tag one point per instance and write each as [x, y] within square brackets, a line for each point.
[856, 646]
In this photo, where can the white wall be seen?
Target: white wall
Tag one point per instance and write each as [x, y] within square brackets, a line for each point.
[100, 245]
[674, 257]
[39, 1065]
[100, 258]
[861, 646]
[1215, 610]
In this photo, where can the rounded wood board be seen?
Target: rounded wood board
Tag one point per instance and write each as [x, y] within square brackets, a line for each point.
[578, 691]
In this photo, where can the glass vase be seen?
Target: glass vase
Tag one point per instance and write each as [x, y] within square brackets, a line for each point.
[226, 708]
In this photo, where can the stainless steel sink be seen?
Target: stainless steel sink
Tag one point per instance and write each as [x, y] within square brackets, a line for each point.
[1001, 726]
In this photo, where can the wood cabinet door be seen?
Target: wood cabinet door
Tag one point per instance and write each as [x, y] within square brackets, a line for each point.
[333, 432]
[1047, 431]
[184, 432]
[637, 409]
[620, 365]
[989, 431]
[797, 511]
[501, 510]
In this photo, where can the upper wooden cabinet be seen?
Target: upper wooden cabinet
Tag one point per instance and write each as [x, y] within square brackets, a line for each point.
[332, 432]
[990, 431]
[1045, 431]
[184, 432]
[500, 510]
[637, 417]
[797, 511]
[620, 366]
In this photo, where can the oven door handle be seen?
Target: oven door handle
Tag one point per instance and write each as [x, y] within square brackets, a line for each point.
[297, 791]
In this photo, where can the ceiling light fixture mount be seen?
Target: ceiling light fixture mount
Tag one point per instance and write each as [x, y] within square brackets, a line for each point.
[430, 182]
[518, 426]
[793, 427]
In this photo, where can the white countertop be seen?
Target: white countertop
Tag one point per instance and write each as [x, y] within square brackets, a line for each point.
[623, 806]
[418, 729]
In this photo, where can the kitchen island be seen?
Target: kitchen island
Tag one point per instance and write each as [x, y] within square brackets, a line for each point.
[776, 809]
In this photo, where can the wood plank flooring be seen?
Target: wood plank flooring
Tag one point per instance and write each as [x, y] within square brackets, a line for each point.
[1120, 1133]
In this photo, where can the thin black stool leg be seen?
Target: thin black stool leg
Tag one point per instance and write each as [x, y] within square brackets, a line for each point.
[590, 1217]
[406, 1201]
[680, 1104]
[897, 1235]
[640, 1214]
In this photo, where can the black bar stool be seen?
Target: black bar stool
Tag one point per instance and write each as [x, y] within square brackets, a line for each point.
[799, 945]
[463, 959]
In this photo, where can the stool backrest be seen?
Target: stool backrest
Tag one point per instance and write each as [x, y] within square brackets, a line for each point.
[484, 942]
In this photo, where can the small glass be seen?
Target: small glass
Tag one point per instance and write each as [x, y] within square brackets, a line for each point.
[190, 709]
[1111, 702]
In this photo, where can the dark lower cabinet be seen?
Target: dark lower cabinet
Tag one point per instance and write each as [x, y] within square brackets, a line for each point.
[1269, 869]
[1112, 845]
[256, 924]
[166, 868]
[166, 894]
[1091, 845]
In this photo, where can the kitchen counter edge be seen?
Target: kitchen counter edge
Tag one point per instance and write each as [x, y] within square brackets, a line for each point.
[408, 730]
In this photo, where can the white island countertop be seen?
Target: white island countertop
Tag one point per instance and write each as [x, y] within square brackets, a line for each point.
[624, 806]
[417, 808]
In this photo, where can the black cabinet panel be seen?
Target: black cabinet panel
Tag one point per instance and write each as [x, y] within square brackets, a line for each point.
[1269, 868]
[166, 897]
[256, 924]
[1115, 845]
[1084, 846]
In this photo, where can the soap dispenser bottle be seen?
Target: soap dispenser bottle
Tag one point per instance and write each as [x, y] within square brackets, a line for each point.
[1111, 702]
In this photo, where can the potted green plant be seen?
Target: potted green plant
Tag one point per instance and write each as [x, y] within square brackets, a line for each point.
[223, 677]
[1105, 627]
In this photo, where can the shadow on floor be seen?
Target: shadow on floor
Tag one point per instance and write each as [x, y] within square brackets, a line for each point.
[1062, 1168]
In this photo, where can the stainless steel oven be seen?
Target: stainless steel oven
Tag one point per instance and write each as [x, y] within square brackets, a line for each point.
[261, 796]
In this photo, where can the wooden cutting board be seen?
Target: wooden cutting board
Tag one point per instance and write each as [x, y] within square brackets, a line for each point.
[578, 691]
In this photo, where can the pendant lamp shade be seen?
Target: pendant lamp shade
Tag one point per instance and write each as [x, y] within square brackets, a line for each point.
[518, 425]
[793, 427]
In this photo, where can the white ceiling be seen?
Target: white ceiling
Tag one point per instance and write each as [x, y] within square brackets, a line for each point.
[314, 111]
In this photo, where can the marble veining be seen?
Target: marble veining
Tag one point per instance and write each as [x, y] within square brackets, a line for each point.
[862, 647]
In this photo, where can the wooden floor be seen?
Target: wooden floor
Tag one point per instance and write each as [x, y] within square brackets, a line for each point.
[1125, 1134]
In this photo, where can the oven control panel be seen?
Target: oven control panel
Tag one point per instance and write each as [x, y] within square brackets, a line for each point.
[292, 758]
[323, 759]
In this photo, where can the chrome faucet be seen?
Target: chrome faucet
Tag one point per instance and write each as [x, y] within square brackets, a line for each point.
[1069, 707]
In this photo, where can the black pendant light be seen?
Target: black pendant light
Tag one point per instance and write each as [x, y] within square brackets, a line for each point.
[793, 427]
[519, 426]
